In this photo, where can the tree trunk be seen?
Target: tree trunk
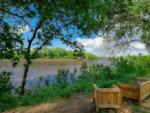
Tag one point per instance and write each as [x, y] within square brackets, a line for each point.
[28, 58]
[24, 78]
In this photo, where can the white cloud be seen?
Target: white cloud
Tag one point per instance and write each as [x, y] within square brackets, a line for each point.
[99, 47]
[138, 45]
[93, 45]
[22, 29]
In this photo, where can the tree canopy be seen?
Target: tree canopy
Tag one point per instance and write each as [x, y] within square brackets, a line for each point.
[124, 17]
[130, 22]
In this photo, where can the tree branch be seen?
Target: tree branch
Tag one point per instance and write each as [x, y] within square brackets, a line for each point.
[147, 44]
[13, 14]
[39, 48]
[35, 31]
[16, 15]
[127, 42]
[32, 38]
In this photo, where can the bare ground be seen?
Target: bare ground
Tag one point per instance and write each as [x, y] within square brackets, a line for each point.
[78, 104]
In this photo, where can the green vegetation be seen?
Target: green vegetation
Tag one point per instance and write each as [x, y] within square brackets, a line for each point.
[124, 70]
[5, 84]
[61, 53]
[7, 101]
[65, 19]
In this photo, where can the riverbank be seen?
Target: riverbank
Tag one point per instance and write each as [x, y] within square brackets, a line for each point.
[62, 59]
[124, 70]
[53, 60]
[79, 103]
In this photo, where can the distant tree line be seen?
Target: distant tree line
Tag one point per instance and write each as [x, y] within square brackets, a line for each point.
[62, 53]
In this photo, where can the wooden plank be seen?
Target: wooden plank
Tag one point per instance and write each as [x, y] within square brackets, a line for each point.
[148, 81]
[144, 90]
[108, 106]
[109, 89]
[108, 97]
[137, 92]
[131, 92]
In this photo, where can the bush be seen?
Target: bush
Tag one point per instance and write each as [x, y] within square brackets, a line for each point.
[5, 84]
[7, 101]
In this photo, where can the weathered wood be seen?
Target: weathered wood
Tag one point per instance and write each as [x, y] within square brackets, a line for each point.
[129, 91]
[108, 97]
[144, 90]
[138, 92]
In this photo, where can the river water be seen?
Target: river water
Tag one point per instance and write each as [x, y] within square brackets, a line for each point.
[43, 70]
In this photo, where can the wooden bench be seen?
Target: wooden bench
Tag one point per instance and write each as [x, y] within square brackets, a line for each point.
[137, 92]
[107, 98]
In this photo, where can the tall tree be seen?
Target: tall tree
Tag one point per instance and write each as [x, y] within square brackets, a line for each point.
[52, 19]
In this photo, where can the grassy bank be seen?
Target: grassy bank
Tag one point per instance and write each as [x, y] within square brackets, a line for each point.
[123, 70]
[62, 53]
[59, 53]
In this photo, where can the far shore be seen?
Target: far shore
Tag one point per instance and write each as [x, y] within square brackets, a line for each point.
[52, 59]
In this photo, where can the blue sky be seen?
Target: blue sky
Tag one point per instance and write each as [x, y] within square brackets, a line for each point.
[98, 46]
[55, 43]
[93, 44]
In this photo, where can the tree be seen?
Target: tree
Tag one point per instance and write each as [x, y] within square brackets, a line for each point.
[128, 22]
[53, 19]
[10, 42]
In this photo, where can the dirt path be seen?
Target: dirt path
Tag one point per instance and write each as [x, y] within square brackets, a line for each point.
[76, 104]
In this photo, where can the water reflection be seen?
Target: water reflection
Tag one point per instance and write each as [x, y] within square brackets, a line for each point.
[42, 72]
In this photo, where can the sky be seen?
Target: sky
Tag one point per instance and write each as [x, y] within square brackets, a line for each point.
[95, 45]
[100, 47]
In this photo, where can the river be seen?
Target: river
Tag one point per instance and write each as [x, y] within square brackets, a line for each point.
[42, 69]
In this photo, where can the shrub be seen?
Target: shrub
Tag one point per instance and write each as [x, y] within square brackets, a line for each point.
[5, 84]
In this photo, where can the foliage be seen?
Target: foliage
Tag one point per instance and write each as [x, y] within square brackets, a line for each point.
[5, 84]
[129, 20]
[61, 79]
[124, 70]
[7, 101]
[10, 42]
[137, 64]
[60, 53]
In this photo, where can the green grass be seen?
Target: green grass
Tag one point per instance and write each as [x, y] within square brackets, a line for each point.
[139, 109]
